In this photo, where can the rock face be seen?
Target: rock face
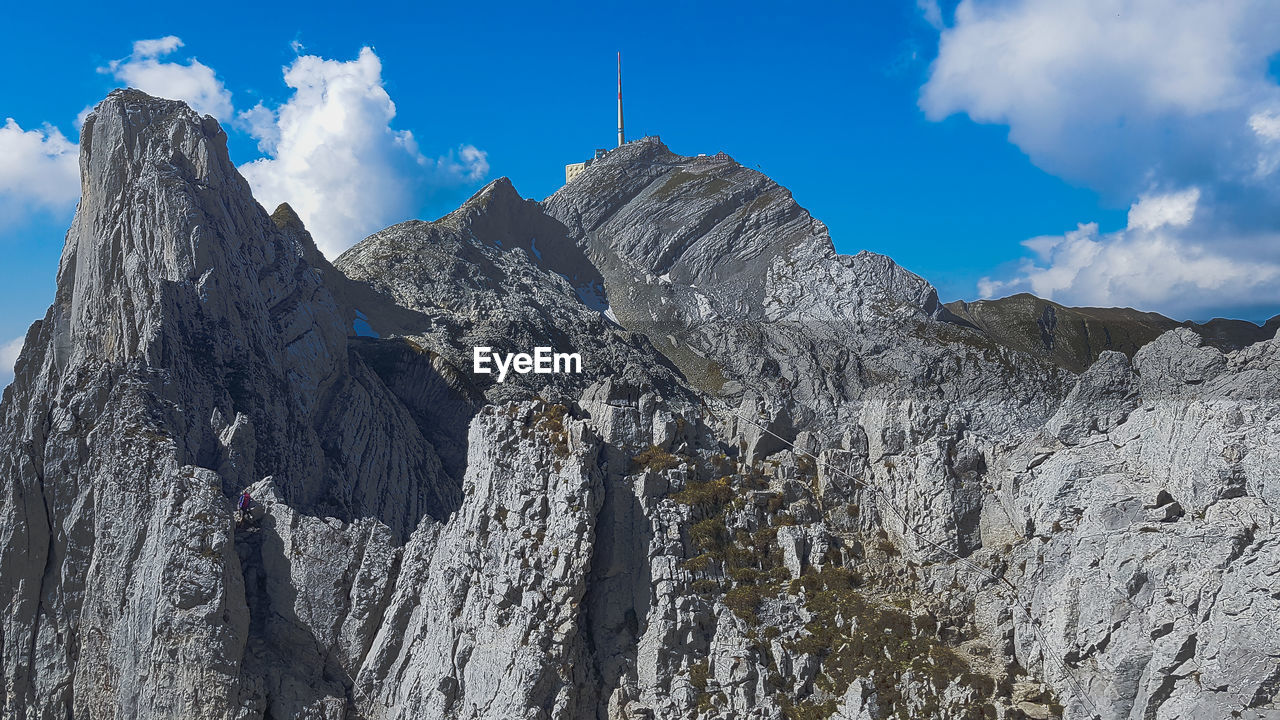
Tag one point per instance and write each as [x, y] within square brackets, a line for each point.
[500, 273]
[486, 619]
[787, 484]
[190, 351]
[1149, 512]
[743, 289]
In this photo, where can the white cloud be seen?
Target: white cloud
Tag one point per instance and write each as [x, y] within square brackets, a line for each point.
[39, 170]
[931, 11]
[1090, 87]
[1266, 124]
[1133, 99]
[8, 358]
[1155, 211]
[1155, 263]
[1150, 265]
[333, 156]
[261, 122]
[467, 164]
[156, 47]
[193, 82]
[330, 149]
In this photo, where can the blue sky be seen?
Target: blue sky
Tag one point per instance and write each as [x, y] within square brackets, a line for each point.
[1128, 165]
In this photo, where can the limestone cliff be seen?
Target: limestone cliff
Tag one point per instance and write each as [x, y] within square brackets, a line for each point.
[788, 484]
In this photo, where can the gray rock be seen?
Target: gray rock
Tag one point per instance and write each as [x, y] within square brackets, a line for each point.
[188, 331]
[787, 480]
[1148, 540]
[486, 620]
[1101, 400]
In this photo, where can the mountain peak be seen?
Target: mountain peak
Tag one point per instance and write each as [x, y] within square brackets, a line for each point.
[129, 126]
[497, 193]
[500, 190]
[161, 202]
[286, 218]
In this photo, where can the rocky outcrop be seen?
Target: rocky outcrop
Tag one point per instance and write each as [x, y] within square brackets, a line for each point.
[1148, 514]
[500, 273]
[788, 483]
[190, 351]
[743, 290]
[486, 620]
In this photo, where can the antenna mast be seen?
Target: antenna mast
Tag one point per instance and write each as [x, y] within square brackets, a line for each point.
[621, 136]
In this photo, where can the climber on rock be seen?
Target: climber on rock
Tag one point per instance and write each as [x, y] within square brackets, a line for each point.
[242, 507]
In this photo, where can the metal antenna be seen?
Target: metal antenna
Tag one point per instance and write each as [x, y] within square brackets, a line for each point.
[621, 136]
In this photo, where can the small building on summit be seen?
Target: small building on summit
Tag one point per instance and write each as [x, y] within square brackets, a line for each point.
[573, 170]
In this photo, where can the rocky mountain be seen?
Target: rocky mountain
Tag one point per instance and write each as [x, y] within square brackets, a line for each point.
[787, 483]
[1074, 338]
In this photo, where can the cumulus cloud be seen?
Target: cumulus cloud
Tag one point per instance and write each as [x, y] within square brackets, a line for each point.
[39, 170]
[1152, 263]
[1105, 93]
[8, 358]
[192, 81]
[1156, 211]
[330, 150]
[332, 154]
[1168, 106]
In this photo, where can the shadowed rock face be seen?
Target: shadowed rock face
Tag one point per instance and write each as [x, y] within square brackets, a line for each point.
[641, 540]
[499, 272]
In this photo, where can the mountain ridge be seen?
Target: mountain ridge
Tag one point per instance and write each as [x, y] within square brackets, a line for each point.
[1029, 323]
[877, 511]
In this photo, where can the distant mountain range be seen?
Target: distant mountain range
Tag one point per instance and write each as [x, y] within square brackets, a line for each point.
[1075, 337]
